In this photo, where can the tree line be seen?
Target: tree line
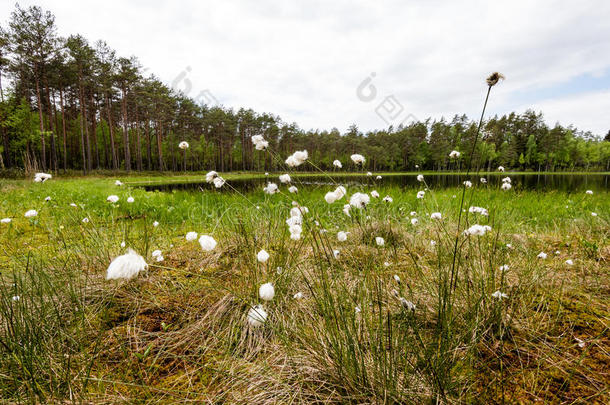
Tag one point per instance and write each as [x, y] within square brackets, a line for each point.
[69, 104]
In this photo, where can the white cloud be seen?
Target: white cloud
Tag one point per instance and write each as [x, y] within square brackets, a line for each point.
[304, 60]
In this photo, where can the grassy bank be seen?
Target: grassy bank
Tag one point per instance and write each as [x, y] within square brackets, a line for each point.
[179, 331]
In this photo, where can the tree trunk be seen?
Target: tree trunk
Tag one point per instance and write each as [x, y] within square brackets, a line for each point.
[159, 133]
[63, 123]
[138, 142]
[96, 151]
[43, 152]
[115, 164]
[125, 132]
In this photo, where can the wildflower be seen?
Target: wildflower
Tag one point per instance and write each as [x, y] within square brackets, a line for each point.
[257, 316]
[388, 199]
[295, 231]
[183, 145]
[506, 186]
[557, 252]
[262, 256]
[420, 178]
[357, 309]
[477, 230]
[297, 158]
[342, 236]
[156, 253]
[435, 215]
[16, 298]
[589, 192]
[266, 173]
[5, 220]
[48, 198]
[386, 264]
[112, 198]
[569, 262]
[396, 278]
[541, 255]
[499, 295]
[380, 241]
[285, 178]
[30, 213]
[359, 200]
[506, 180]
[190, 236]
[155, 224]
[336, 253]
[266, 292]
[41, 177]
[130, 200]
[271, 188]
[298, 296]
[468, 183]
[378, 178]
[346, 209]
[126, 266]
[594, 214]
[118, 183]
[494, 78]
[341, 192]
[501, 168]
[414, 221]
[293, 189]
[358, 159]
[331, 197]
[73, 205]
[210, 176]
[219, 182]
[504, 267]
[259, 142]
[337, 164]
[483, 180]
[509, 245]
[413, 213]
[294, 220]
[207, 243]
[454, 154]
[374, 194]
[478, 210]
[420, 194]
[85, 220]
[369, 173]
[123, 244]
[432, 243]
[408, 305]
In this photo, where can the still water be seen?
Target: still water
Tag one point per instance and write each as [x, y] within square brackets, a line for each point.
[527, 181]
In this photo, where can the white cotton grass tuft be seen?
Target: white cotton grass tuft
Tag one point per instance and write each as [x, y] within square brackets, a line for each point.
[293, 189]
[207, 243]
[346, 209]
[369, 173]
[30, 213]
[48, 198]
[506, 186]
[504, 267]
[191, 236]
[336, 195]
[477, 230]
[259, 142]
[420, 178]
[336, 253]
[183, 145]
[378, 178]
[374, 194]
[380, 241]
[342, 236]
[499, 295]
[118, 183]
[500, 168]
[388, 199]
[155, 224]
[358, 159]
[359, 200]
[285, 178]
[298, 296]
[257, 316]
[589, 192]
[454, 154]
[297, 158]
[126, 266]
[5, 221]
[112, 198]
[414, 221]
[266, 292]
[262, 256]
[468, 184]
[270, 188]
[123, 244]
[210, 176]
[41, 177]
[478, 210]
[337, 164]
[73, 205]
[421, 194]
[219, 182]
[594, 214]
[542, 255]
[156, 253]
[570, 262]
[295, 231]
[483, 180]
[85, 220]
[396, 278]
[436, 215]
[130, 200]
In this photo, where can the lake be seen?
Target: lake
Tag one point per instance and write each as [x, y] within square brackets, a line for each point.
[528, 181]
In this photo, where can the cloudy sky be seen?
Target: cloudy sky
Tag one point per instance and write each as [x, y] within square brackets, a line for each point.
[325, 64]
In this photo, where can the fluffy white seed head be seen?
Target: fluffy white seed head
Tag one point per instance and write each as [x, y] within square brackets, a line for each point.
[262, 256]
[436, 215]
[285, 178]
[342, 236]
[380, 241]
[359, 200]
[257, 316]
[126, 266]
[266, 292]
[358, 159]
[183, 145]
[190, 236]
[210, 176]
[112, 198]
[207, 243]
[337, 164]
[30, 213]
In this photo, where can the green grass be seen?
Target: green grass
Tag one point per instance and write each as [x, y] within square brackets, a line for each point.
[178, 331]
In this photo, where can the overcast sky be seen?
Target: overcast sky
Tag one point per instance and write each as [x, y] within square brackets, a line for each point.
[325, 64]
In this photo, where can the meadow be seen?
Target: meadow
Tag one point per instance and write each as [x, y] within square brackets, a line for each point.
[380, 301]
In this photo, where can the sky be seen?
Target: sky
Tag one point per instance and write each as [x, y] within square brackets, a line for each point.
[331, 64]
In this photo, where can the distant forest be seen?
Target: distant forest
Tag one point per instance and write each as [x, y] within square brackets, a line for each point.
[72, 105]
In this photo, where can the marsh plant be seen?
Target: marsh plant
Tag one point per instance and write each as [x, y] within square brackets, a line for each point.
[360, 294]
